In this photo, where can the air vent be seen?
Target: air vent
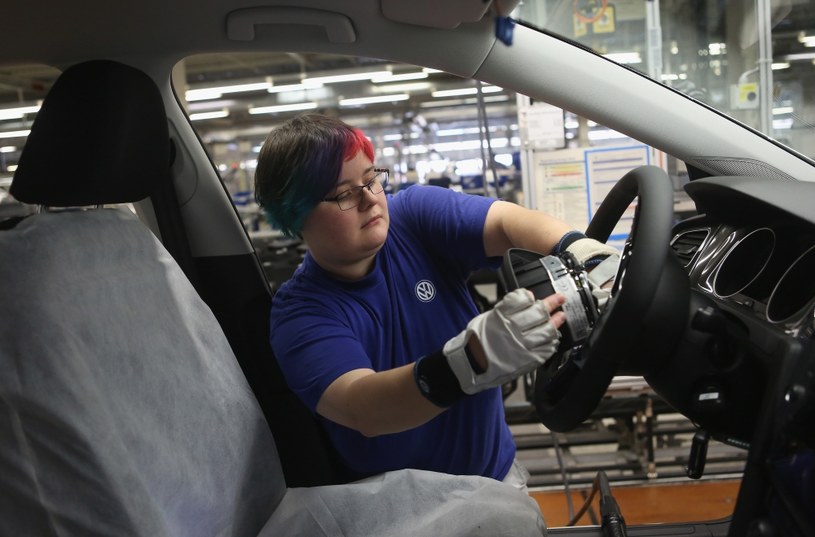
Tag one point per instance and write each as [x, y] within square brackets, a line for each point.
[686, 245]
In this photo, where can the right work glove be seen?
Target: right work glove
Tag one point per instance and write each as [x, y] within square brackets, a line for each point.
[517, 337]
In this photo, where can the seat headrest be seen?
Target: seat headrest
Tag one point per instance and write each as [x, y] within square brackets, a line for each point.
[100, 137]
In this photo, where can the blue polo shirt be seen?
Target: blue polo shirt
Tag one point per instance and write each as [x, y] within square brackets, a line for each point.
[412, 302]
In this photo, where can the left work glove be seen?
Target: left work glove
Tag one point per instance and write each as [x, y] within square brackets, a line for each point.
[516, 335]
[599, 259]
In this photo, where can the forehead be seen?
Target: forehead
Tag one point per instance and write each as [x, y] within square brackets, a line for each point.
[355, 169]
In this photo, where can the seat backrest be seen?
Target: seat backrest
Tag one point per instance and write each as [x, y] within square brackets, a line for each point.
[122, 408]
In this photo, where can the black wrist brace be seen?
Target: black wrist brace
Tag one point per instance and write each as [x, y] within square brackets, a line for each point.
[572, 237]
[436, 381]
[566, 241]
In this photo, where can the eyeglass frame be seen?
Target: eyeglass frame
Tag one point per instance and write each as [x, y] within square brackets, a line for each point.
[357, 190]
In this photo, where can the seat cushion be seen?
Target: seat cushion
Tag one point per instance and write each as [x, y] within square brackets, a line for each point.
[414, 503]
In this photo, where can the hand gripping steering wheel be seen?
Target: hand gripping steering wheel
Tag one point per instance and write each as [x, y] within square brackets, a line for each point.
[568, 390]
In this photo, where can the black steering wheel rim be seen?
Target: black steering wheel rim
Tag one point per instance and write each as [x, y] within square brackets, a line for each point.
[566, 393]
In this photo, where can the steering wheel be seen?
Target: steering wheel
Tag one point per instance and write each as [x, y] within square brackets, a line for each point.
[568, 390]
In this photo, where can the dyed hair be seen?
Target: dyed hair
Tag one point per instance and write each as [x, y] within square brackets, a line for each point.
[300, 163]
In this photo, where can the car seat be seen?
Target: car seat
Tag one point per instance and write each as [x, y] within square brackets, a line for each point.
[123, 410]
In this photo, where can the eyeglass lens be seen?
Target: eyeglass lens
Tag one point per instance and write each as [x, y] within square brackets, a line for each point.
[355, 195]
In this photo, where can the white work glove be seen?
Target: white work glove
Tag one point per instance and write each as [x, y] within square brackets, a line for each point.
[517, 337]
[601, 276]
[586, 249]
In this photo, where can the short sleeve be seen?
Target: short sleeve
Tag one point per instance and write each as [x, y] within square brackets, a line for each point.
[448, 222]
[313, 348]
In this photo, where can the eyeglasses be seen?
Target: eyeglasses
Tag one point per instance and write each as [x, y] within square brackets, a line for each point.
[353, 196]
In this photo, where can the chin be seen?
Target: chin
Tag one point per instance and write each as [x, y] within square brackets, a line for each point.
[375, 245]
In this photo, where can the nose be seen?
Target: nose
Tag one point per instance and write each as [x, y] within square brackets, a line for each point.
[367, 197]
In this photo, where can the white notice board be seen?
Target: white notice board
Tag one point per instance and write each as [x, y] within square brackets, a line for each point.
[570, 184]
[541, 126]
[560, 185]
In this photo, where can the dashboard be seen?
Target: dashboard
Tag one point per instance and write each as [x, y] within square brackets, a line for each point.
[755, 256]
[749, 257]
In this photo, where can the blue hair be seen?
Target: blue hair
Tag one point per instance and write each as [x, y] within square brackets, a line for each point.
[300, 163]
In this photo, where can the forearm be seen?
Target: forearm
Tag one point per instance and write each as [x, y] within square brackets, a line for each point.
[377, 403]
[511, 226]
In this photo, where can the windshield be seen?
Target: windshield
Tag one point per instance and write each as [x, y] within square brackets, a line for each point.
[753, 60]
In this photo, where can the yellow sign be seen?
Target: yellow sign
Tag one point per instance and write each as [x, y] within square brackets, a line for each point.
[579, 27]
[748, 93]
[601, 21]
[605, 24]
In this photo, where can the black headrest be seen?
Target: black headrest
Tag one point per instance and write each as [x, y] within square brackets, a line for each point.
[100, 137]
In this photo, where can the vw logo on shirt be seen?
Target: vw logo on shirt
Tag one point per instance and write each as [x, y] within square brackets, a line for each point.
[425, 290]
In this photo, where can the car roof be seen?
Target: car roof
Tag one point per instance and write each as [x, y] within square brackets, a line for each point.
[176, 29]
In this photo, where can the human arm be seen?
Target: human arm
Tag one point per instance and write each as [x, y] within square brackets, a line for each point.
[518, 335]
[509, 225]
[376, 403]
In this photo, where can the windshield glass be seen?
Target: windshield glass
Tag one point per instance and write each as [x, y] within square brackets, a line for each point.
[753, 60]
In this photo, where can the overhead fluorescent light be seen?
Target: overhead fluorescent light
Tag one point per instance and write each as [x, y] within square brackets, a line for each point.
[350, 77]
[402, 77]
[15, 134]
[294, 87]
[410, 86]
[466, 145]
[374, 100]
[283, 108]
[799, 56]
[238, 88]
[465, 130]
[466, 91]
[488, 99]
[781, 110]
[392, 137]
[780, 65]
[202, 95]
[215, 114]
[806, 40]
[459, 132]
[210, 105]
[11, 167]
[8, 149]
[430, 71]
[439, 104]
[18, 112]
[217, 92]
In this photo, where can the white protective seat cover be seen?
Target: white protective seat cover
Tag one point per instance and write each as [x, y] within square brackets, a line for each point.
[413, 503]
[123, 410]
